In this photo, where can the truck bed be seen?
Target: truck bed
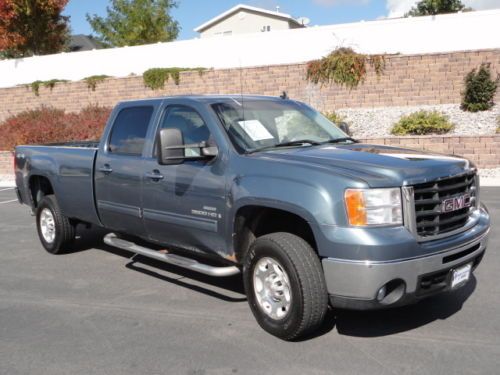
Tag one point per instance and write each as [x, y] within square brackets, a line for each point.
[70, 169]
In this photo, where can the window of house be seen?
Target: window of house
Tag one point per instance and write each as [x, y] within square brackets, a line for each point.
[223, 33]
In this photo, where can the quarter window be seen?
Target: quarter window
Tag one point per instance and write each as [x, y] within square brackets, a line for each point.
[129, 131]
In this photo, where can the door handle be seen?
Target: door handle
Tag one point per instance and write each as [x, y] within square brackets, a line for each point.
[155, 175]
[106, 169]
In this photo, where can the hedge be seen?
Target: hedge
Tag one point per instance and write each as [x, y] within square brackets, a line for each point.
[48, 125]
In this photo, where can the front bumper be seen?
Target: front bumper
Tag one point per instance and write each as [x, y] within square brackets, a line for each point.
[354, 284]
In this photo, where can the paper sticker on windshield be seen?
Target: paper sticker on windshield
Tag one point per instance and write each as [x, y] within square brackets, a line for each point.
[255, 130]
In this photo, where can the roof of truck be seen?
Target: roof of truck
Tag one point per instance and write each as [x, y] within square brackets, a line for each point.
[209, 98]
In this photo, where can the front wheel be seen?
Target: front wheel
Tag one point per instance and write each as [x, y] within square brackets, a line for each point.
[55, 230]
[285, 285]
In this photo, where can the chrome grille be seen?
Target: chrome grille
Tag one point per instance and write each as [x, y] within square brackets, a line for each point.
[430, 219]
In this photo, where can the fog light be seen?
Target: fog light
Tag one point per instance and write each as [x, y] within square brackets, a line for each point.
[391, 292]
[381, 293]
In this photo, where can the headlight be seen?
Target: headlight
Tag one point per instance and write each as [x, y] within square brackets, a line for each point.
[373, 206]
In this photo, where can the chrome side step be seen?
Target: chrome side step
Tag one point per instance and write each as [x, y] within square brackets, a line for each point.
[112, 239]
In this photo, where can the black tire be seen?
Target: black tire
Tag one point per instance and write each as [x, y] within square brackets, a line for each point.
[309, 296]
[63, 229]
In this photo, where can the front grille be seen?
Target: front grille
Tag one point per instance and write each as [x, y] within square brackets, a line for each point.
[429, 197]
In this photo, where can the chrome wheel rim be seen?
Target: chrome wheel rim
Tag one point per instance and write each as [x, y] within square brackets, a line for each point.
[47, 225]
[272, 288]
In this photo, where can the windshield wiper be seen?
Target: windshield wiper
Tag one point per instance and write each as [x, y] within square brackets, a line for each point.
[298, 142]
[340, 140]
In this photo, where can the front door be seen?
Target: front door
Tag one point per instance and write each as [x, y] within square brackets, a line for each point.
[119, 171]
[184, 204]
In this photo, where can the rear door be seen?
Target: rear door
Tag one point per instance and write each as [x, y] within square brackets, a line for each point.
[119, 169]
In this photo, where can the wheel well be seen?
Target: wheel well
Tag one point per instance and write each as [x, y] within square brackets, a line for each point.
[255, 221]
[39, 187]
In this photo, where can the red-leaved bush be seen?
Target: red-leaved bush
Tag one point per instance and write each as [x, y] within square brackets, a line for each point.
[34, 126]
[49, 125]
[87, 125]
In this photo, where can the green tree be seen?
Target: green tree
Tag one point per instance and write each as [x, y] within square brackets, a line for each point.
[480, 89]
[136, 22]
[432, 7]
[32, 27]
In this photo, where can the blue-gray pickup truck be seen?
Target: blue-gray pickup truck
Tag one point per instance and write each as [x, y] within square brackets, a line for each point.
[269, 188]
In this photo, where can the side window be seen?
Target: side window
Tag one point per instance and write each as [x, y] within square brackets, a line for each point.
[129, 131]
[190, 123]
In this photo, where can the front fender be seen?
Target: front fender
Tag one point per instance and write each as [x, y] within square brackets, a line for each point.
[301, 198]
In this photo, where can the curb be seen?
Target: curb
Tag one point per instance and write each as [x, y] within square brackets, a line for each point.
[7, 181]
[7, 184]
[490, 181]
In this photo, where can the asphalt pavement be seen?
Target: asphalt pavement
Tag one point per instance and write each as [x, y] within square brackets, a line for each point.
[94, 311]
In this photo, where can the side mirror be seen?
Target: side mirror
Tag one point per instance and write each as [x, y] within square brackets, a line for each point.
[209, 151]
[345, 128]
[171, 147]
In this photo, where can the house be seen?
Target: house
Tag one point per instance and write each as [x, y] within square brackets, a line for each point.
[82, 42]
[248, 19]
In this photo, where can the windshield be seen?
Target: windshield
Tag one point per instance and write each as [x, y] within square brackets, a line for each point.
[253, 125]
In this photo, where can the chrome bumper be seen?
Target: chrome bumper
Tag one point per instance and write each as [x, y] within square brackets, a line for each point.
[355, 284]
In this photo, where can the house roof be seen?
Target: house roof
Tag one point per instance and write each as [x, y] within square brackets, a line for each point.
[82, 42]
[240, 7]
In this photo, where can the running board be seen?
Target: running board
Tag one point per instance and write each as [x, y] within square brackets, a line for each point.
[112, 239]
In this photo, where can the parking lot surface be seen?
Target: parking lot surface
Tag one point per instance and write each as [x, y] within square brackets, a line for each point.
[94, 311]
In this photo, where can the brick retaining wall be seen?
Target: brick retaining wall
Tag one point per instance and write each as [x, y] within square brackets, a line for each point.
[408, 80]
[6, 163]
[484, 151]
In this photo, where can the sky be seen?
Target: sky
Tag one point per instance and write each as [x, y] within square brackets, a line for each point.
[192, 13]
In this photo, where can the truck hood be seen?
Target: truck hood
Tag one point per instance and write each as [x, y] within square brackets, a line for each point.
[378, 166]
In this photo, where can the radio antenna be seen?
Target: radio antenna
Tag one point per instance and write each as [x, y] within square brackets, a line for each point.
[241, 89]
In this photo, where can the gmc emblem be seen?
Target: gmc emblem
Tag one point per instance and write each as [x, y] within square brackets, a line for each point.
[456, 203]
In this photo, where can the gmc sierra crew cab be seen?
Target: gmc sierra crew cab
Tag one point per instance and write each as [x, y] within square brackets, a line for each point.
[269, 188]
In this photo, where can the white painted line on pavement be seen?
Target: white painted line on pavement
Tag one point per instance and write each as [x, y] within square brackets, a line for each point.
[14, 200]
[10, 188]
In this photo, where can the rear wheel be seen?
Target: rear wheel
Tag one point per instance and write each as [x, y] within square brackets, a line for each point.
[285, 285]
[55, 230]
